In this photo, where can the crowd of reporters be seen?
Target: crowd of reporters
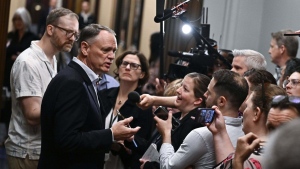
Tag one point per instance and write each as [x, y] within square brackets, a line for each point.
[81, 126]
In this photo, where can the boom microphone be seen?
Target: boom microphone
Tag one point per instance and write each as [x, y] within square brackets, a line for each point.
[174, 12]
[134, 97]
[168, 13]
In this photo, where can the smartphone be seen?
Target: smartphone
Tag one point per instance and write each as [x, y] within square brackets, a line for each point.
[205, 115]
[162, 113]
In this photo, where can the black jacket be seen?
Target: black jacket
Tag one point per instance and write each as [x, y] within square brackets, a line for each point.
[82, 24]
[73, 134]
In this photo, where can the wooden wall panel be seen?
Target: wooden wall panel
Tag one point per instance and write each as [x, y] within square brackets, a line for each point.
[4, 13]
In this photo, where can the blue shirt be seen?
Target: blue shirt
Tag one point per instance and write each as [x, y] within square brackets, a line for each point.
[107, 82]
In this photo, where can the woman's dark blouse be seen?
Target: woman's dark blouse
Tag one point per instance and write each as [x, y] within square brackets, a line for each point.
[15, 47]
[141, 118]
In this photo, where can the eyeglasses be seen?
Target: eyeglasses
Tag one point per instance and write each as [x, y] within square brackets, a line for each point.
[294, 82]
[69, 33]
[283, 99]
[133, 66]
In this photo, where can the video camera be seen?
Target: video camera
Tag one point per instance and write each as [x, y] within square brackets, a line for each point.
[196, 60]
[200, 59]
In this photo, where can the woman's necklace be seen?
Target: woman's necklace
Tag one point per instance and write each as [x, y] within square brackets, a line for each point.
[120, 102]
[118, 105]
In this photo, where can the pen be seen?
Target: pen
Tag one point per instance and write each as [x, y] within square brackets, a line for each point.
[119, 114]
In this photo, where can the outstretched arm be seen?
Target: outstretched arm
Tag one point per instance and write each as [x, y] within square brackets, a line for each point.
[148, 100]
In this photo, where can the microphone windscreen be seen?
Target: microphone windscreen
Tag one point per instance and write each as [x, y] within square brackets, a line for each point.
[134, 97]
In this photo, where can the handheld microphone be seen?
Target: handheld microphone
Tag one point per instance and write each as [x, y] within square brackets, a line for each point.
[134, 97]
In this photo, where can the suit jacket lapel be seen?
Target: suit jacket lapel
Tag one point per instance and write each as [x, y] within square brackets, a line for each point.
[87, 82]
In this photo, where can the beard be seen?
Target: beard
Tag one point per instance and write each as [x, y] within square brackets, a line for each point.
[62, 46]
[211, 103]
[67, 47]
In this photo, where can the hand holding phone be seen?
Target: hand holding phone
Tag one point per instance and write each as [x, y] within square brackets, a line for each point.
[205, 115]
[218, 124]
[162, 113]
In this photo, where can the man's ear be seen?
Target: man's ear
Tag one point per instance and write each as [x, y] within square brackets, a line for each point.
[221, 101]
[85, 48]
[50, 30]
[282, 49]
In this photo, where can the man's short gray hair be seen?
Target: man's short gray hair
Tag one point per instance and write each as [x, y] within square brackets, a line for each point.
[290, 42]
[253, 59]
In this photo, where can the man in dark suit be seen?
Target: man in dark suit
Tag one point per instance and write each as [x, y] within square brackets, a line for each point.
[85, 16]
[72, 122]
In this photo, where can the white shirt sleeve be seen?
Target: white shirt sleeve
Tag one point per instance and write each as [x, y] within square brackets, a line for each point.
[195, 150]
[27, 80]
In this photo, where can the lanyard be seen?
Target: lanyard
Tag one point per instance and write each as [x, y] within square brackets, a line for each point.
[112, 119]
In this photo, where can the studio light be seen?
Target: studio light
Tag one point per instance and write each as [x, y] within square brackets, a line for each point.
[186, 29]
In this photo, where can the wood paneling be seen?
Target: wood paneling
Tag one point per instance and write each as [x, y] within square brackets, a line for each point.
[4, 13]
